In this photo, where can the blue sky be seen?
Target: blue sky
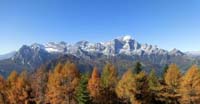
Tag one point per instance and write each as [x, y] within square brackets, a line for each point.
[166, 23]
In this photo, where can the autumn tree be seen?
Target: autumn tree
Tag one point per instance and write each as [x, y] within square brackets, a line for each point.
[82, 93]
[72, 76]
[190, 87]
[11, 92]
[94, 86]
[39, 83]
[109, 81]
[124, 86]
[140, 89]
[170, 91]
[18, 88]
[2, 90]
[62, 83]
[154, 88]
[23, 87]
[54, 85]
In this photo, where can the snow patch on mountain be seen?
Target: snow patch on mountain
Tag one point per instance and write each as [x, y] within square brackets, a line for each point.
[126, 38]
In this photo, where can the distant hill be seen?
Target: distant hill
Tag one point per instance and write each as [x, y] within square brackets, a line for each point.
[7, 56]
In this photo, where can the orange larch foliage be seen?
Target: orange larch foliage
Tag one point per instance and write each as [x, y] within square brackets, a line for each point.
[94, 85]
[18, 88]
[190, 86]
[170, 91]
[62, 83]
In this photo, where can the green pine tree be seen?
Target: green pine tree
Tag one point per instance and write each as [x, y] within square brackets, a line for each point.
[166, 67]
[138, 67]
[82, 94]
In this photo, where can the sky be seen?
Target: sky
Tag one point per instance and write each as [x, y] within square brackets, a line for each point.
[166, 23]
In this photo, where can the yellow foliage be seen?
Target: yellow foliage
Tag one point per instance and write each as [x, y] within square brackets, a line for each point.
[170, 92]
[94, 85]
[172, 76]
[124, 85]
[18, 88]
[190, 87]
[62, 83]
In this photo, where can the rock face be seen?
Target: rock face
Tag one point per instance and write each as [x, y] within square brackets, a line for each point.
[123, 49]
[32, 56]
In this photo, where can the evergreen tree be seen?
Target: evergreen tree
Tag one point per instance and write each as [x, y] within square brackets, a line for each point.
[166, 67]
[190, 87]
[82, 94]
[138, 67]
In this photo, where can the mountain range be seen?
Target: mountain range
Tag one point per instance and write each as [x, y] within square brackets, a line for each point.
[123, 52]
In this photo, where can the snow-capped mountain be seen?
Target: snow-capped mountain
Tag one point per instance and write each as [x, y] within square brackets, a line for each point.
[120, 51]
[123, 45]
[36, 54]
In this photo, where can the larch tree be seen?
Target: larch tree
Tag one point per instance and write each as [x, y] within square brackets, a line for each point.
[23, 88]
[124, 86]
[62, 83]
[140, 89]
[133, 88]
[2, 90]
[109, 81]
[11, 91]
[94, 86]
[18, 88]
[170, 91]
[39, 83]
[71, 76]
[154, 87]
[190, 87]
[54, 93]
